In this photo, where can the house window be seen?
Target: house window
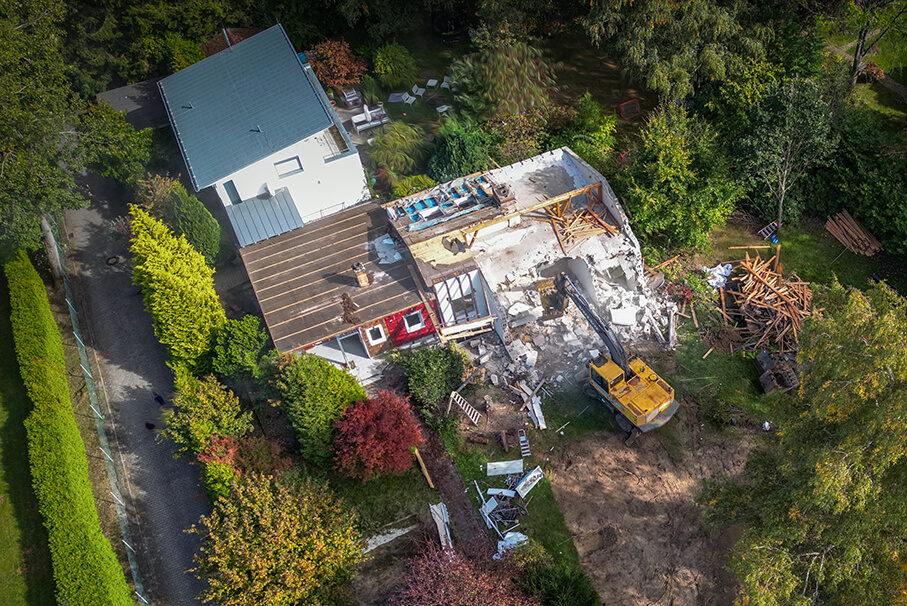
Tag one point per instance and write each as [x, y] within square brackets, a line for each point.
[414, 321]
[232, 193]
[376, 335]
[289, 167]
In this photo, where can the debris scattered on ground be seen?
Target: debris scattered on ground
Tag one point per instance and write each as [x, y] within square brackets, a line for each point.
[851, 233]
[503, 468]
[386, 537]
[442, 521]
[529, 481]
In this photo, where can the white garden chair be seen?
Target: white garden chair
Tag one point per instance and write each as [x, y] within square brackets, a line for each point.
[418, 91]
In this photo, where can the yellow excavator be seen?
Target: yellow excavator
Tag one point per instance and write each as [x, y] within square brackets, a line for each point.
[639, 399]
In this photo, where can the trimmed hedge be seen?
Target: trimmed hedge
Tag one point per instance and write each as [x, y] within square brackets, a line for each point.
[86, 569]
[178, 287]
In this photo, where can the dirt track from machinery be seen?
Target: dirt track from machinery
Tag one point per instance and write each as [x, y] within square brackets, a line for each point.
[634, 519]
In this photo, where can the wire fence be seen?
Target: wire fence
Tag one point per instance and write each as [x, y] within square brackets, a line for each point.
[95, 404]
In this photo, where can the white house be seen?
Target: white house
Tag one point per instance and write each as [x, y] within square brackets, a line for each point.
[253, 122]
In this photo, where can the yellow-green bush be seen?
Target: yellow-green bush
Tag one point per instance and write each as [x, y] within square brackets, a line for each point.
[86, 570]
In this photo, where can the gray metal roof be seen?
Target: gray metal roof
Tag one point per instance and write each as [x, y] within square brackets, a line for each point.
[241, 105]
[258, 219]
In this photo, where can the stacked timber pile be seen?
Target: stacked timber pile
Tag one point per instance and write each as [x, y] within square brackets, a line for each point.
[849, 232]
[772, 307]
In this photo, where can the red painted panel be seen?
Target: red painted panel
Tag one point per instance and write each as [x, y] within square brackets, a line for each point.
[397, 327]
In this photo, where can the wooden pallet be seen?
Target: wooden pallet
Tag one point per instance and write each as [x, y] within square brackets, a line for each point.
[473, 414]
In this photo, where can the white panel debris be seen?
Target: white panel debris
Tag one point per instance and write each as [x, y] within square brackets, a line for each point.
[529, 481]
[501, 492]
[505, 468]
[442, 521]
[624, 316]
[387, 250]
[535, 413]
[489, 506]
[386, 537]
[512, 540]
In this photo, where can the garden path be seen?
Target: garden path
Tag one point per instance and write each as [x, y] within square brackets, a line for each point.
[165, 496]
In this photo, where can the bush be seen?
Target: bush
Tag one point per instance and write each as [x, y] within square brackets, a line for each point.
[226, 459]
[315, 394]
[237, 354]
[559, 584]
[374, 437]
[178, 288]
[431, 374]
[335, 65]
[397, 149]
[274, 543]
[167, 200]
[202, 409]
[395, 66]
[412, 185]
[436, 577]
[461, 149]
[219, 479]
[371, 92]
[113, 147]
[86, 570]
[591, 134]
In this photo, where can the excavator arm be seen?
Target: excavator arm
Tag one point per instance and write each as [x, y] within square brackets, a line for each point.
[618, 355]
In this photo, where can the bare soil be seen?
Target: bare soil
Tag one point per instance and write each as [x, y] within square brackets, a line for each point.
[633, 516]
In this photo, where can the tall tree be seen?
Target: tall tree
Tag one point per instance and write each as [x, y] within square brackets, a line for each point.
[826, 506]
[872, 22]
[38, 138]
[673, 47]
[788, 133]
[679, 185]
[273, 543]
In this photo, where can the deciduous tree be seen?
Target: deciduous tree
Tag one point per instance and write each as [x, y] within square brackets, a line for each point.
[825, 506]
[678, 186]
[871, 22]
[674, 47]
[335, 64]
[112, 146]
[435, 577]
[203, 409]
[374, 437]
[788, 133]
[275, 543]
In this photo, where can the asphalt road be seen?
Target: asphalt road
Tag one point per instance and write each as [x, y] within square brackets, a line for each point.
[165, 495]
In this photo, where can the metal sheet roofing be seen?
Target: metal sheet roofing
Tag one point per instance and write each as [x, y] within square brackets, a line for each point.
[242, 105]
[258, 219]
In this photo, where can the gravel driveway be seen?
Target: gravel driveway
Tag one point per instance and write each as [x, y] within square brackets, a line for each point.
[166, 496]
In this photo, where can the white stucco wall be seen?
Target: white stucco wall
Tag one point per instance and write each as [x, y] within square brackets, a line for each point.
[324, 186]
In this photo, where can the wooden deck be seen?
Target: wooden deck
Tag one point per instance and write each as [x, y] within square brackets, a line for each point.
[300, 276]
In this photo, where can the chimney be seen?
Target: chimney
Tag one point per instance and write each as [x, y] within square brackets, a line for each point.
[361, 275]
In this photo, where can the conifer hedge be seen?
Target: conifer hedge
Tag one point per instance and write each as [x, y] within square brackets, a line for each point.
[179, 290]
[86, 569]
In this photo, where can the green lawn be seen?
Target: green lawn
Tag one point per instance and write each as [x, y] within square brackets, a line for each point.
[26, 574]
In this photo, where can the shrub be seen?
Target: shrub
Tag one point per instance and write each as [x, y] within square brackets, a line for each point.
[202, 409]
[113, 147]
[371, 92]
[226, 459]
[516, 137]
[435, 577]
[395, 65]
[591, 133]
[559, 584]
[219, 479]
[335, 65]
[315, 394]
[178, 288]
[237, 353]
[461, 149]
[273, 543]
[397, 149]
[167, 200]
[374, 437]
[86, 570]
[431, 374]
[412, 185]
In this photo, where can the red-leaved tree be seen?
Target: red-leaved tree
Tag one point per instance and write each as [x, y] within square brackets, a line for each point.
[374, 437]
[335, 64]
[433, 577]
[251, 454]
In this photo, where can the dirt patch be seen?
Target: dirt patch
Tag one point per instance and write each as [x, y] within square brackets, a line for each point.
[632, 514]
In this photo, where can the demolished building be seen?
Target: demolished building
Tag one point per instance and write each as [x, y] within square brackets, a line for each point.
[463, 259]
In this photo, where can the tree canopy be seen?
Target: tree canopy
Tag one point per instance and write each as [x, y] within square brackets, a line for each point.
[277, 543]
[679, 185]
[826, 506]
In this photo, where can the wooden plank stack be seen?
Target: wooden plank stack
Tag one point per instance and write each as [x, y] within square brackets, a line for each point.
[772, 307]
[849, 232]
